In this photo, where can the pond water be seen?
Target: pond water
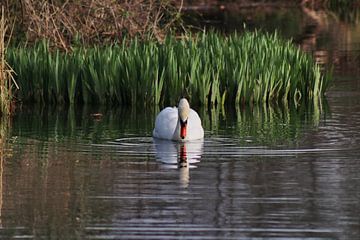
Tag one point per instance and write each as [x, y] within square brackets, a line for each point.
[260, 172]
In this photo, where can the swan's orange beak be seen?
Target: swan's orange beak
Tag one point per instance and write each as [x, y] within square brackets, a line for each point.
[183, 125]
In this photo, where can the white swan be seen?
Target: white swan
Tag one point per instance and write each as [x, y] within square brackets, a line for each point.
[179, 124]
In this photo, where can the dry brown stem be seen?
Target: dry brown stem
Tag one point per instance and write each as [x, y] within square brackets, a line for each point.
[96, 21]
[6, 72]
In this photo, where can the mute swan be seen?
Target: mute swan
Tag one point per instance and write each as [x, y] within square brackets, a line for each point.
[179, 124]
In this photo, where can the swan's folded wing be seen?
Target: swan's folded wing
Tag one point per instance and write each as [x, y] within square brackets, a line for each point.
[195, 129]
[165, 123]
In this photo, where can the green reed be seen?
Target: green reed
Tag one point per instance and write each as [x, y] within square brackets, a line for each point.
[209, 68]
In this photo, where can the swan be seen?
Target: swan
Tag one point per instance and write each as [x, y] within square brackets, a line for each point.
[178, 123]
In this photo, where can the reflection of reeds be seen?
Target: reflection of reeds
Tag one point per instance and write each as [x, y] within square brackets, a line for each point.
[4, 133]
[209, 68]
[2, 140]
[279, 124]
[261, 123]
[6, 78]
[266, 123]
[5, 152]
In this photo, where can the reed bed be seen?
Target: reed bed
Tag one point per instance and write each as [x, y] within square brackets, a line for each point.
[7, 81]
[209, 68]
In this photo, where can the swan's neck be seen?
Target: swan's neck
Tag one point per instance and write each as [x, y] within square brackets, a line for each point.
[183, 113]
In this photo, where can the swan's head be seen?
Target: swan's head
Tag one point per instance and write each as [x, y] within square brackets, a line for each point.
[183, 110]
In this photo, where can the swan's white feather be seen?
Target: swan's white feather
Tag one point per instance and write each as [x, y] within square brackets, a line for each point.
[165, 123]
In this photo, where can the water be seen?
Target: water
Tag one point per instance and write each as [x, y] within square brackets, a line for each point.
[262, 172]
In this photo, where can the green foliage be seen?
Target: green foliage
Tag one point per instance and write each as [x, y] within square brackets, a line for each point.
[346, 10]
[208, 68]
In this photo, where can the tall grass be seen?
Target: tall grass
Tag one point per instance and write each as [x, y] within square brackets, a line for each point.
[6, 73]
[209, 68]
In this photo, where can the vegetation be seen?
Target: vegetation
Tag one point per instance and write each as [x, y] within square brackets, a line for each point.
[6, 73]
[346, 10]
[127, 57]
[341, 3]
[64, 23]
[67, 22]
[209, 68]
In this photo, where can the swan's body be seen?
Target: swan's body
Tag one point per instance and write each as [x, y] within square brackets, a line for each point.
[179, 124]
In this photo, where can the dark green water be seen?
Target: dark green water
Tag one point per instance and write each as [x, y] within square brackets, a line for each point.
[261, 172]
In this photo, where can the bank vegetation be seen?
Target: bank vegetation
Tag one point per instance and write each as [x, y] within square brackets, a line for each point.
[138, 52]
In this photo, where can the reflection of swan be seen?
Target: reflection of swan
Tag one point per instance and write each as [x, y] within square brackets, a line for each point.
[181, 123]
[182, 155]
[178, 154]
